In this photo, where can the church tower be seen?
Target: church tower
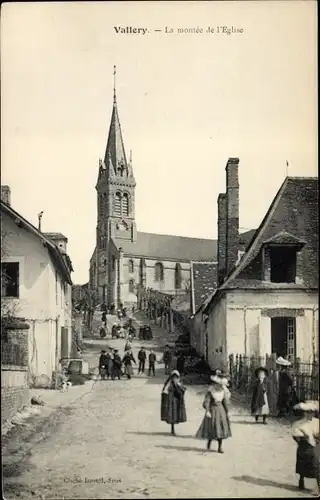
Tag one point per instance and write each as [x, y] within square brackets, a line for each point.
[115, 189]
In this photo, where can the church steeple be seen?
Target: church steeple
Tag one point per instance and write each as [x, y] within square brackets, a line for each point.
[115, 155]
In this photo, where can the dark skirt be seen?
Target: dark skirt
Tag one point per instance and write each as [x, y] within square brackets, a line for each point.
[215, 427]
[307, 464]
[173, 410]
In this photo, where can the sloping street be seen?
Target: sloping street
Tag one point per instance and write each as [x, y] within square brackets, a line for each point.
[110, 443]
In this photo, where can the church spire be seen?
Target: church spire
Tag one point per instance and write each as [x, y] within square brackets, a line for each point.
[114, 85]
[115, 156]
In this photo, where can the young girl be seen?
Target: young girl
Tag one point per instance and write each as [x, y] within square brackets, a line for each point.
[260, 395]
[215, 424]
[306, 434]
[173, 410]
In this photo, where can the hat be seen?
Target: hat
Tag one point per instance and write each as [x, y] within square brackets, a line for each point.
[307, 406]
[115, 350]
[102, 352]
[217, 371]
[261, 369]
[175, 373]
[217, 380]
[283, 362]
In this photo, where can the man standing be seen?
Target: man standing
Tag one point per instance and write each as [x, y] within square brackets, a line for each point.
[142, 356]
[167, 357]
[152, 362]
[103, 362]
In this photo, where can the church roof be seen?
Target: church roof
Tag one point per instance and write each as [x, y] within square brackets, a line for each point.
[169, 247]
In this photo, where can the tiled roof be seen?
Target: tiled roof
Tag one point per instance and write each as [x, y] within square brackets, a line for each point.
[57, 257]
[56, 236]
[284, 238]
[167, 247]
[294, 210]
[204, 282]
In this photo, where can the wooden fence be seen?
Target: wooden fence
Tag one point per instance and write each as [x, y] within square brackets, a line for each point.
[305, 377]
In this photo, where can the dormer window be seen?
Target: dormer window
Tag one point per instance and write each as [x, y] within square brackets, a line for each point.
[280, 258]
[283, 264]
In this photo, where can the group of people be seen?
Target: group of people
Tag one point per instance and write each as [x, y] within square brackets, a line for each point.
[172, 361]
[215, 425]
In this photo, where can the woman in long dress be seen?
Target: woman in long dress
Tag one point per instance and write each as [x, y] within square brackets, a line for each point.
[261, 393]
[215, 425]
[173, 410]
[306, 435]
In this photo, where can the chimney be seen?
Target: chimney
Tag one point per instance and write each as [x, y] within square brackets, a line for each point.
[6, 194]
[232, 237]
[222, 236]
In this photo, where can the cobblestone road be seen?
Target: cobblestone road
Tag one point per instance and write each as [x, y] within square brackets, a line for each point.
[110, 443]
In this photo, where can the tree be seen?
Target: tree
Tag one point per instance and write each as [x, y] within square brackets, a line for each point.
[87, 303]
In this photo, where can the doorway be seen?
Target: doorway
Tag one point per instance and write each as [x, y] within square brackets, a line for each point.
[283, 337]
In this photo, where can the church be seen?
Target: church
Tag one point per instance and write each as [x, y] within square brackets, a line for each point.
[124, 259]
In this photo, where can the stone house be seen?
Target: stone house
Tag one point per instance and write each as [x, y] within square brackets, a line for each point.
[267, 302]
[204, 282]
[125, 259]
[37, 287]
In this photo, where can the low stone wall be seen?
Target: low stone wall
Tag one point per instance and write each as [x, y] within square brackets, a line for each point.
[14, 369]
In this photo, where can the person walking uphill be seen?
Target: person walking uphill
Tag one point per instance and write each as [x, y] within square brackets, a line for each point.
[152, 362]
[173, 409]
[167, 357]
[127, 361]
[215, 424]
[116, 365]
[142, 356]
[261, 394]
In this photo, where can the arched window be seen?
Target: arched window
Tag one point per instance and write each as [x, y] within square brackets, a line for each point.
[177, 276]
[131, 266]
[117, 208]
[158, 272]
[125, 204]
[131, 286]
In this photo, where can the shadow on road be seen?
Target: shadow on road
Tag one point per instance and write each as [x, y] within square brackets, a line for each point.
[245, 422]
[265, 482]
[160, 434]
[180, 448]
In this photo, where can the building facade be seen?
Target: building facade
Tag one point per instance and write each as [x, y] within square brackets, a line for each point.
[267, 302]
[36, 285]
[125, 260]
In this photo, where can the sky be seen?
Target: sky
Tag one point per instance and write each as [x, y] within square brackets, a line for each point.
[187, 102]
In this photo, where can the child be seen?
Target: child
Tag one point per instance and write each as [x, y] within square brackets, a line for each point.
[306, 434]
[215, 424]
[260, 395]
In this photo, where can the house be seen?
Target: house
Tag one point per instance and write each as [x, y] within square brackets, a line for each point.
[37, 287]
[124, 259]
[204, 281]
[267, 302]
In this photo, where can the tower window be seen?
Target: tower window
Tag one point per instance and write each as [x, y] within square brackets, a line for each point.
[131, 286]
[101, 208]
[117, 208]
[131, 266]
[125, 204]
[177, 276]
[158, 272]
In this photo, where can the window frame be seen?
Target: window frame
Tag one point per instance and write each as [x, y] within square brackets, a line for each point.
[159, 265]
[4, 287]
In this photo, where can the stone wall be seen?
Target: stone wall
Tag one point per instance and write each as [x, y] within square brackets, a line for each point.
[14, 369]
